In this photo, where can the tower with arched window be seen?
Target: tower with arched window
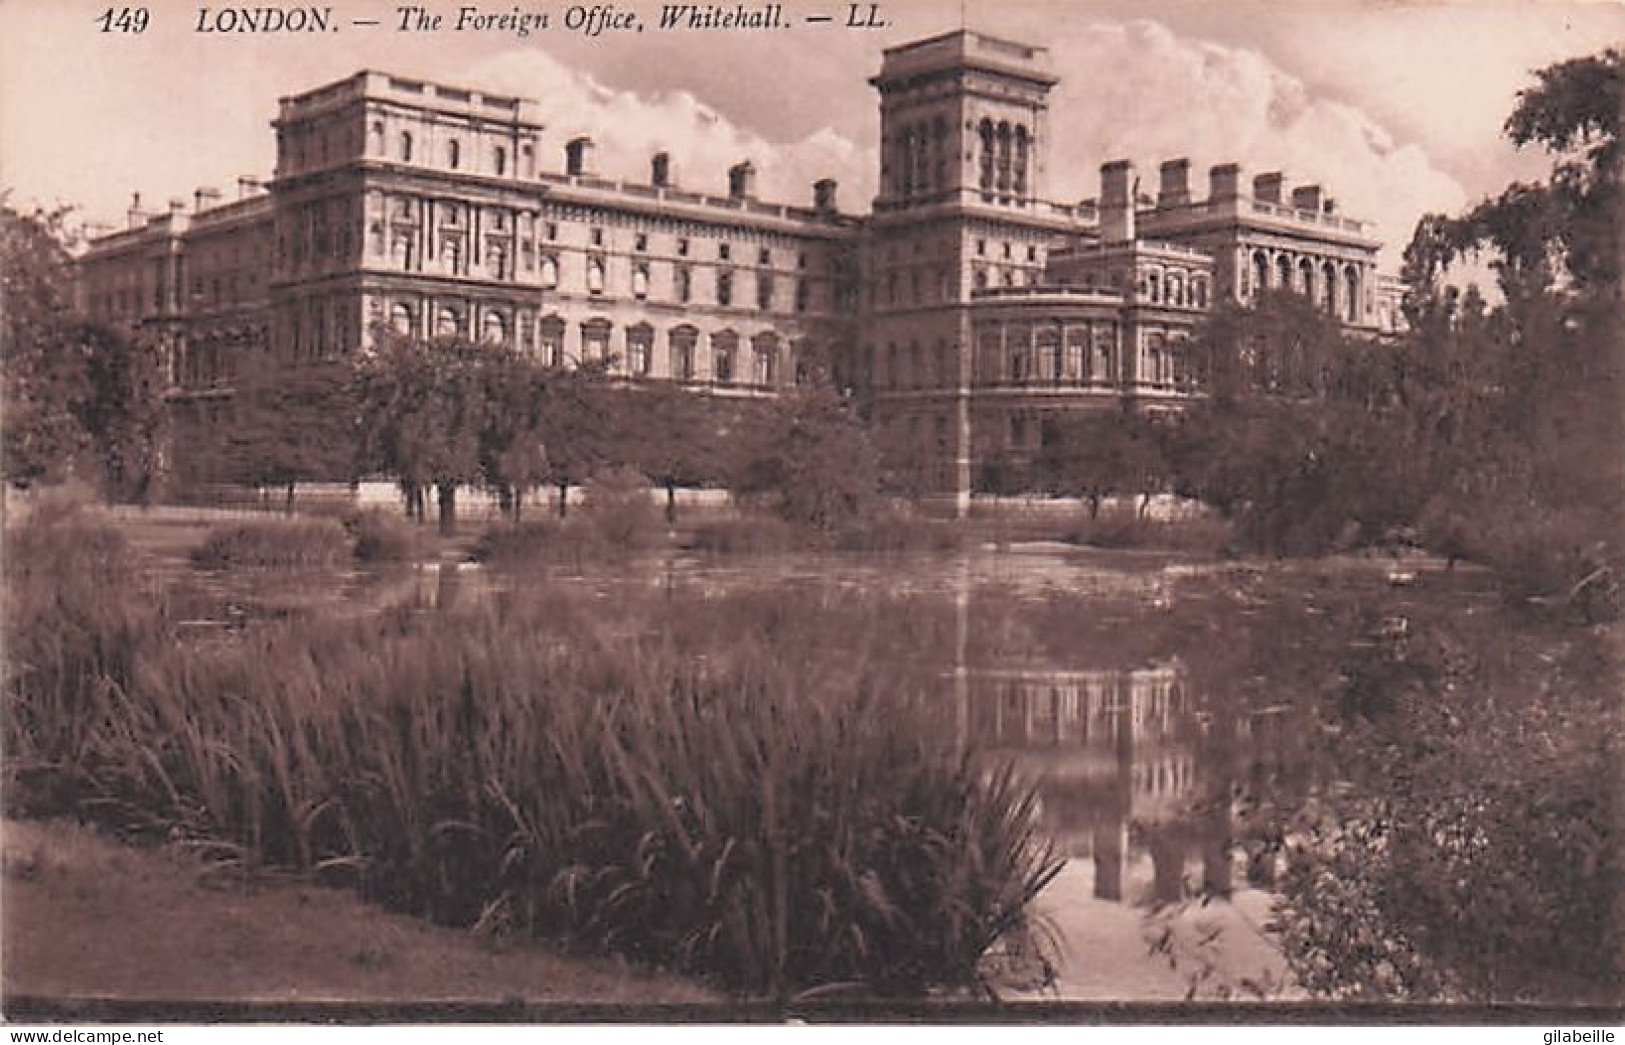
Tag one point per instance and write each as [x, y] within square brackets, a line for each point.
[963, 117]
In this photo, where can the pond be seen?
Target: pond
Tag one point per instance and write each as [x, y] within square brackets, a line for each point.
[1141, 693]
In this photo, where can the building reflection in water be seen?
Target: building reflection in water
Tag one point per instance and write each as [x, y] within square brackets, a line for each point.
[1136, 771]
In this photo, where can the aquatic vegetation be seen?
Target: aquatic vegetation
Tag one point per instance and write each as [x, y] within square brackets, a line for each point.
[600, 771]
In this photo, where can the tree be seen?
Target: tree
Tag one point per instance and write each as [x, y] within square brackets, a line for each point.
[1096, 455]
[1562, 232]
[422, 409]
[812, 463]
[41, 432]
[1535, 410]
[674, 437]
[291, 423]
[578, 426]
[512, 452]
[77, 393]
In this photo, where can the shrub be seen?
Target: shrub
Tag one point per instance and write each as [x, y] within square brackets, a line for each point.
[897, 529]
[752, 533]
[381, 536]
[533, 539]
[275, 544]
[619, 511]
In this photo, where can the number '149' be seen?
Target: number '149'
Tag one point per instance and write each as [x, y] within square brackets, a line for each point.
[124, 20]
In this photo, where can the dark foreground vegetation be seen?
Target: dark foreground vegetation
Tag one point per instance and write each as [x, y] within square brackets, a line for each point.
[611, 777]
[1465, 840]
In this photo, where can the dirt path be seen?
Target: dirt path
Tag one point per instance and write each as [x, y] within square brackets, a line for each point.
[84, 918]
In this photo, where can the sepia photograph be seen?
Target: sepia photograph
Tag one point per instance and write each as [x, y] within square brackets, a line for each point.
[895, 512]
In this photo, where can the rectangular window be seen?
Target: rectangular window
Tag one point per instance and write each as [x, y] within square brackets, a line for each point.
[641, 242]
[725, 288]
[682, 247]
[764, 257]
[724, 250]
[597, 236]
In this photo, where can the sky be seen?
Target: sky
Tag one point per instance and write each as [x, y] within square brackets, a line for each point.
[1396, 108]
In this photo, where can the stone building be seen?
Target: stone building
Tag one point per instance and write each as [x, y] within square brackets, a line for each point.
[959, 310]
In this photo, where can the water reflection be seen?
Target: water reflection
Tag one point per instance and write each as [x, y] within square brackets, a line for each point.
[1160, 769]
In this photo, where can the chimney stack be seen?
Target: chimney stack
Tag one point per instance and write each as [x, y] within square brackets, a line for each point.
[1267, 187]
[1176, 183]
[177, 205]
[1307, 197]
[742, 180]
[205, 197]
[1117, 201]
[661, 172]
[247, 186]
[824, 195]
[578, 156]
[1224, 181]
[135, 215]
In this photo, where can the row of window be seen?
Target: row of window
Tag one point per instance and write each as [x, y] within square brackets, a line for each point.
[1338, 293]
[689, 358]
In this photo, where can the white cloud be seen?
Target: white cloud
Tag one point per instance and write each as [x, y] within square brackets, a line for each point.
[1133, 89]
[630, 127]
[1139, 91]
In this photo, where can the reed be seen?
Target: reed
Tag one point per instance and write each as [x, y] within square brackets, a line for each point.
[275, 544]
[753, 789]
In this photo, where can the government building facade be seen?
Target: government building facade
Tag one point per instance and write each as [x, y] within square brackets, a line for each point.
[958, 311]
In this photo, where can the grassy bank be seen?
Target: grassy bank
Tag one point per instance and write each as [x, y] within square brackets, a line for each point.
[187, 930]
[604, 774]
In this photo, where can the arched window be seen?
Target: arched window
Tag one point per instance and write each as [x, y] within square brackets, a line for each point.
[1018, 350]
[1328, 288]
[1283, 272]
[683, 340]
[1001, 178]
[550, 270]
[1047, 346]
[595, 275]
[765, 347]
[375, 142]
[640, 280]
[1018, 179]
[1351, 277]
[494, 329]
[1176, 289]
[1306, 278]
[1101, 368]
[449, 322]
[1261, 271]
[550, 340]
[401, 319]
[985, 135]
[723, 347]
[640, 349]
[595, 341]
[406, 147]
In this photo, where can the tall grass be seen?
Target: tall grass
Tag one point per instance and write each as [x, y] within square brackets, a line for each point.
[275, 544]
[699, 783]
